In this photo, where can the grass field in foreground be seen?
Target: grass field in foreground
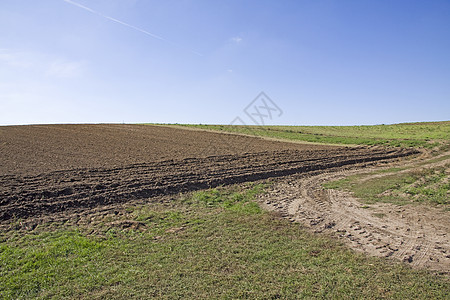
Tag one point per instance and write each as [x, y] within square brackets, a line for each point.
[426, 135]
[211, 244]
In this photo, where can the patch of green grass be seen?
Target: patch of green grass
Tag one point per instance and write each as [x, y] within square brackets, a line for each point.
[229, 199]
[211, 244]
[428, 135]
[427, 185]
[339, 184]
[52, 263]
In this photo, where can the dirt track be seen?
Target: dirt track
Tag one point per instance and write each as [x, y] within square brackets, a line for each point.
[415, 234]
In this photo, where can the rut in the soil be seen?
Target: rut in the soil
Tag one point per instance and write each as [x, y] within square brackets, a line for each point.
[33, 196]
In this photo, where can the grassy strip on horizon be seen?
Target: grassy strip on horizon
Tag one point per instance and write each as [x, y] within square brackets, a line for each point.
[428, 135]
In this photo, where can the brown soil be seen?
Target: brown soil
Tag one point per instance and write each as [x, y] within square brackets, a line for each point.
[26, 150]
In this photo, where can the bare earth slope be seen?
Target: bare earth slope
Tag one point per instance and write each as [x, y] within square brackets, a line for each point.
[42, 148]
[62, 168]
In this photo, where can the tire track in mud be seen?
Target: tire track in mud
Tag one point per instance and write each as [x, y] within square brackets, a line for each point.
[59, 191]
[418, 236]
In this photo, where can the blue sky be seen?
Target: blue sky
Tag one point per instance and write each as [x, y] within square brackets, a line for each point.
[193, 61]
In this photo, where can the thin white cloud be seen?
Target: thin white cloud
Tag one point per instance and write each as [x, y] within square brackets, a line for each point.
[37, 63]
[81, 6]
[127, 25]
[15, 59]
[236, 39]
[65, 69]
[115, 20]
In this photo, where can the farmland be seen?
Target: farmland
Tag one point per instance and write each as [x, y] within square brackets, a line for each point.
[134, 169]
[157, 211]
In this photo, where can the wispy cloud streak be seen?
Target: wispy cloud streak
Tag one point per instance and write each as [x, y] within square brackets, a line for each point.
[127, 25]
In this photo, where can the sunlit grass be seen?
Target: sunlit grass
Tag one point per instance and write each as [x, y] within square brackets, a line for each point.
[427, 185]
[210, 244]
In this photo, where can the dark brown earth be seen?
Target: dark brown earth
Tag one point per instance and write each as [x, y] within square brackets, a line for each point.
[35, 149]
[50, 169]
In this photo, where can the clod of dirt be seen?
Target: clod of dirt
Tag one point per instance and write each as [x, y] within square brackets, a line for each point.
[127, 224]
[174, 229]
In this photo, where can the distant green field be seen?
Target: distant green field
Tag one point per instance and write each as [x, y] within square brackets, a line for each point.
[427, 135]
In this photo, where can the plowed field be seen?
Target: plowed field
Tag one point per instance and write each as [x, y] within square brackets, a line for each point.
[63, 168]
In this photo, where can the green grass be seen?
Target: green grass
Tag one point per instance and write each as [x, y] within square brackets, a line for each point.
[429, 185]
[211, 244]
[426, 135]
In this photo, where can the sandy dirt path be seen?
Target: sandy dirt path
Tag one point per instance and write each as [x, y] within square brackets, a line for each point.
[415, 234]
